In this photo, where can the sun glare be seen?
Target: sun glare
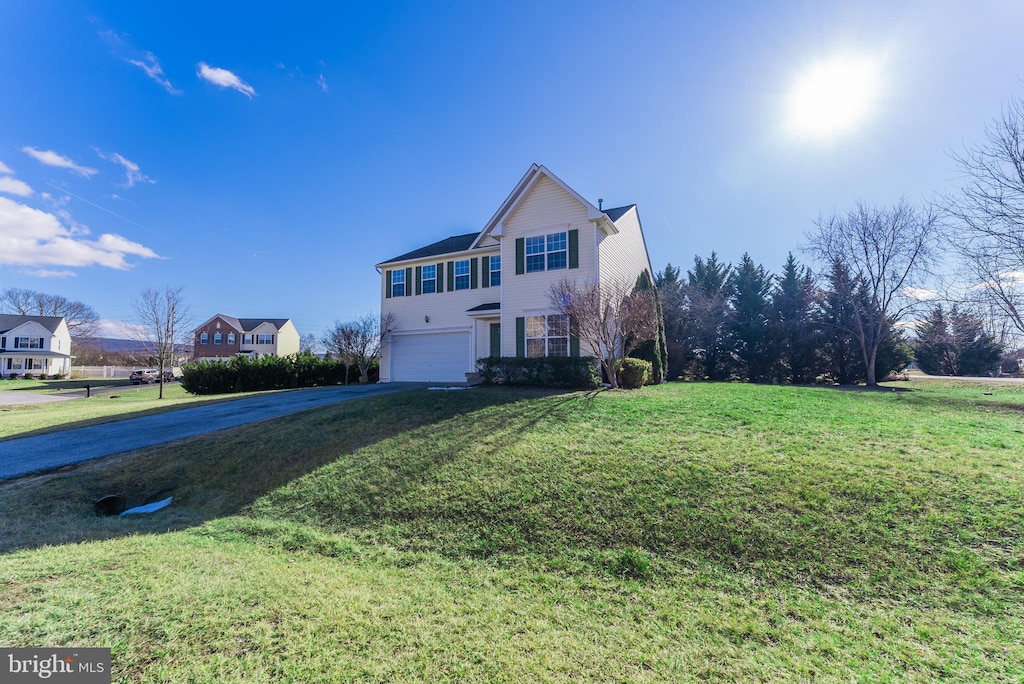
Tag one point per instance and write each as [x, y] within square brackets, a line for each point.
[833, 97]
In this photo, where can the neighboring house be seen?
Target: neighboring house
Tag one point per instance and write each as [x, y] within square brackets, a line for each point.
[488, 293]
[223, 337]
[40, 345]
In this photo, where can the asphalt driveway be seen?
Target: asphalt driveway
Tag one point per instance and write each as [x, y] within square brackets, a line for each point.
[45, 452]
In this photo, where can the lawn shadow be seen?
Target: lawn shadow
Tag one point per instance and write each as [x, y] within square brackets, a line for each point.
[219, 474]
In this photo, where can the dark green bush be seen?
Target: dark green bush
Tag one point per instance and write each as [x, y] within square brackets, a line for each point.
[549, 371]
[244, 374]
[634, 373]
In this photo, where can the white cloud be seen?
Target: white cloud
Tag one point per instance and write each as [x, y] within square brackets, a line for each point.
[33, 238]
[48, 273]
[4, 168]
[143, 59]
[322, 82]
[223, 78]
[51, 158]
[133, 174]
[117, 329]
[13, 186]
[920, 294]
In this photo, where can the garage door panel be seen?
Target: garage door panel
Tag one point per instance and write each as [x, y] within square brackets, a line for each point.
[434, 357]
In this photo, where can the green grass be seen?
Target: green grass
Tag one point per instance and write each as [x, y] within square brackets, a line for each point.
[678, 533]
[24, 420]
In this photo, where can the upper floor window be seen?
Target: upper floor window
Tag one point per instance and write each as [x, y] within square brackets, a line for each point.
[462, 274]
[28, 342]
[231, 338]
[398, 283]
[217, 338]
[429, 279]
[495, 271]
[547, 252]
[547, 335]
[204, 338]
[264, 338]
[247, 338]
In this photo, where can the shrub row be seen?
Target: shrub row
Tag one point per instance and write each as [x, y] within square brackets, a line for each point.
[244, 374]
[549, 371]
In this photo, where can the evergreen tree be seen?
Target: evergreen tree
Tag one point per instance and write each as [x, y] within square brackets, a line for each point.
[653, 350]
[670, 294]
[794, 326]
[933, 348]
[840, 346]
[749, 332]
[956, 344]
[706, 315]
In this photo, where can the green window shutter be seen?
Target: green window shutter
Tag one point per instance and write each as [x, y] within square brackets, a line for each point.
[574, 346]
[408, 282]
[387, 284]
[520, 256]
[419, 280]
[451, 276]
[495, 339]
[440, 277]
[472, 274]
[485, 271]
[574, 248]
[520, 336]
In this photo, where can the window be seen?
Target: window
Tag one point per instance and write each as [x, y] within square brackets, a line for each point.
[247, 338]
[462, 274]
[34, 364]
[547, 335]
[495, 271]
[397, 283]
[265, 338]
[204, 338]
[429, 279]
[28, 343]
[547, 252]
[231, 338]
[217, 338]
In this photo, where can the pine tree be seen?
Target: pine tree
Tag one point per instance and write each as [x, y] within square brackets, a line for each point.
[794, 326]
[705, 316]
[749, 333]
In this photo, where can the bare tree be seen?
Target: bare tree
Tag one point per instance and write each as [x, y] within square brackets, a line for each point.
[988, 213]
[612, 320]
[886, 251]
[160, 319]
[82, 320]
[309, 344]
[357, 342]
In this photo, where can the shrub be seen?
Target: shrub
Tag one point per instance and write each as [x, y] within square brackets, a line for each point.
[549, 371]
[243, 374]
[29, 376]
[634, 373]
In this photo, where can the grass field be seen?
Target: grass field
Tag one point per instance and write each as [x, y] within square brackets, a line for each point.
[24, 420]
[679, 533]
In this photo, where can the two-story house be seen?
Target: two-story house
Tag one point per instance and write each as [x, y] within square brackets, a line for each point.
[40, 345]
[489, 293]
[223, 337]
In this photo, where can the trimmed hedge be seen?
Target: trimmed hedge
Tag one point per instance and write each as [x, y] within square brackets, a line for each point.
[549, 371]
[243, 374]
[634, 373]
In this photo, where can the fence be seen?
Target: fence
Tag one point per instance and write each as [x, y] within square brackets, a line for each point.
[101, 371]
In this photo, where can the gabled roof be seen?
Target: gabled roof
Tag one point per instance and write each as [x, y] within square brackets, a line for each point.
[10, 321]
[618, 212]
[532, 175]
[246, 324]
[455, 243]
[490, 306]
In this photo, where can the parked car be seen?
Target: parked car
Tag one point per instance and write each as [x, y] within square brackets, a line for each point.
[145, 375]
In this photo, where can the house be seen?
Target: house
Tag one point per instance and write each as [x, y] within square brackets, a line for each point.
[488, 293]
[223, 337]
[40, 345]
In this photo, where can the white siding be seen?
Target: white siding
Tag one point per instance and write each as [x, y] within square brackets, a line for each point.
[623, 256]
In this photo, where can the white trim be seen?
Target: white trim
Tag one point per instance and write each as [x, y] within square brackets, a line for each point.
[434, 258]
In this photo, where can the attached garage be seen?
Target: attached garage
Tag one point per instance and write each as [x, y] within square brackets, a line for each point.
[432, 357]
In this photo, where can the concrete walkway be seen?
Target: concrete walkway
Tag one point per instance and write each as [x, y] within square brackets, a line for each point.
[25, 398]
[45, 452]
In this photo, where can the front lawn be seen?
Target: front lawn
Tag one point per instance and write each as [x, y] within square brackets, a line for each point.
[677, 533]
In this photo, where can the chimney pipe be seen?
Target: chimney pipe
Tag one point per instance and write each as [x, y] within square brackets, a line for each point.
[599, 203]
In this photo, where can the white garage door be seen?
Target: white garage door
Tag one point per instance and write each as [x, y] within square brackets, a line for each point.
[438, 357]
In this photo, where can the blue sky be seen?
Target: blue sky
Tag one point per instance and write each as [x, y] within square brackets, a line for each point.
[265, 156]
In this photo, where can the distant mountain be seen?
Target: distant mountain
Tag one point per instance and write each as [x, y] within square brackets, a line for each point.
[116, 345]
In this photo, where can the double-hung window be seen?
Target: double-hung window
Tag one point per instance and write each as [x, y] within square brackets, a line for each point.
[495, 271]
[429, 279]
[264, 338]
[217, 338]
[547, 335]
[547, 252]
[204, 338]
[247, 338]
[398, 282]
[231, 338]
[462, 274]
[28, 343]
